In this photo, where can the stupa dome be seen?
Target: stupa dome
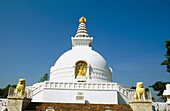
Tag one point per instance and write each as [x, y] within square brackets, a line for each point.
[70, 57]
[64, 67]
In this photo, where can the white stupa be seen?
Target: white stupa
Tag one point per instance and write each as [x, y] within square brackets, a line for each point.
[80, 75]
[96, 68]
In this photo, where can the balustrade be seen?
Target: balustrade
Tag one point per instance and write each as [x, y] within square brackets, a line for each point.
[85, 86]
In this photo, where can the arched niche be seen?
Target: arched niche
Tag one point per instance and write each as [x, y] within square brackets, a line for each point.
[81, 69]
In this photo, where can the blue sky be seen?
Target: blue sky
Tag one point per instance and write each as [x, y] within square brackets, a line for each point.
[129, 34]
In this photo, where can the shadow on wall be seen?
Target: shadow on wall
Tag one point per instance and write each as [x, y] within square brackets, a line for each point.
[121, 100]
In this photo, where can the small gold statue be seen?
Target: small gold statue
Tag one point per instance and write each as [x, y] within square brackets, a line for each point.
[20, 87]
[81, 69]
[140, 91]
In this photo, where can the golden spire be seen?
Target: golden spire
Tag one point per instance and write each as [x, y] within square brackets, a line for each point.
[82, 20]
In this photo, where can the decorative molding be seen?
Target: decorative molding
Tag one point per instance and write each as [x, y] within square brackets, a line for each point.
[79, 86]
[90, 74]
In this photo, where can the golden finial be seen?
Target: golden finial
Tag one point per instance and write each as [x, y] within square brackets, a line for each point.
[82, 20]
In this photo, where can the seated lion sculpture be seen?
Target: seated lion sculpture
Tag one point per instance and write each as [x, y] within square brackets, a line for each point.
[20, 87]
[140, 91]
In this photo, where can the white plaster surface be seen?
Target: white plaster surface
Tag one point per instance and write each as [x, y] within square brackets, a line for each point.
[69, 96]
[64, 68]
[166, 93]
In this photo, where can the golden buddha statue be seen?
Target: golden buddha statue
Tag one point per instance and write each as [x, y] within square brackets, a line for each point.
[81, 70]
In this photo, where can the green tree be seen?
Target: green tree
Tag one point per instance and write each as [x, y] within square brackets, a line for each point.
[133, 87]
[167, 61]
[4, 91]
[1, 93]
[159, 86]
[44, 78]
[146, 89]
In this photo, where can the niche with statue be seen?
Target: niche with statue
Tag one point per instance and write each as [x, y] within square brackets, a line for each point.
[80, 70]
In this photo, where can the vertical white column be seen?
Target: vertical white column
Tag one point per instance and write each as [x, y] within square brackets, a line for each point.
[87, 73]
[73, 75]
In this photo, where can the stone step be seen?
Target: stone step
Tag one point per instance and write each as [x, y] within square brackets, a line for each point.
[77, 107]
[28, 110]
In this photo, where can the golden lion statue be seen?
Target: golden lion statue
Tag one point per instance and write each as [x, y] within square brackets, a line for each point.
[20, 87]
[140, 91]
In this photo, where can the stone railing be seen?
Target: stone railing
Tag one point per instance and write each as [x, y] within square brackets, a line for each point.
[12, 92]
[3, 104]
[35, 90]
[86, 86]
[77, 86]
[124, 91]
[160, 106]
[148, 96]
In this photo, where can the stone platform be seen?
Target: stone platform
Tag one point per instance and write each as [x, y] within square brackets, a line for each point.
[76, 107]
[17, 103]
[141, 105]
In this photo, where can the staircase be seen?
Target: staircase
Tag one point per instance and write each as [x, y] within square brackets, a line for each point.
[76, 107]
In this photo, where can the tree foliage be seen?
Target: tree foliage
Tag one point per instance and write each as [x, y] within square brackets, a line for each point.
[133, 87]
[44, 78]
[159, 86]
[146, 89]
[4, 91]
[167, 61]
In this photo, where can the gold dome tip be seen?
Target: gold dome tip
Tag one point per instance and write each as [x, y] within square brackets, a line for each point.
[82, 20]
